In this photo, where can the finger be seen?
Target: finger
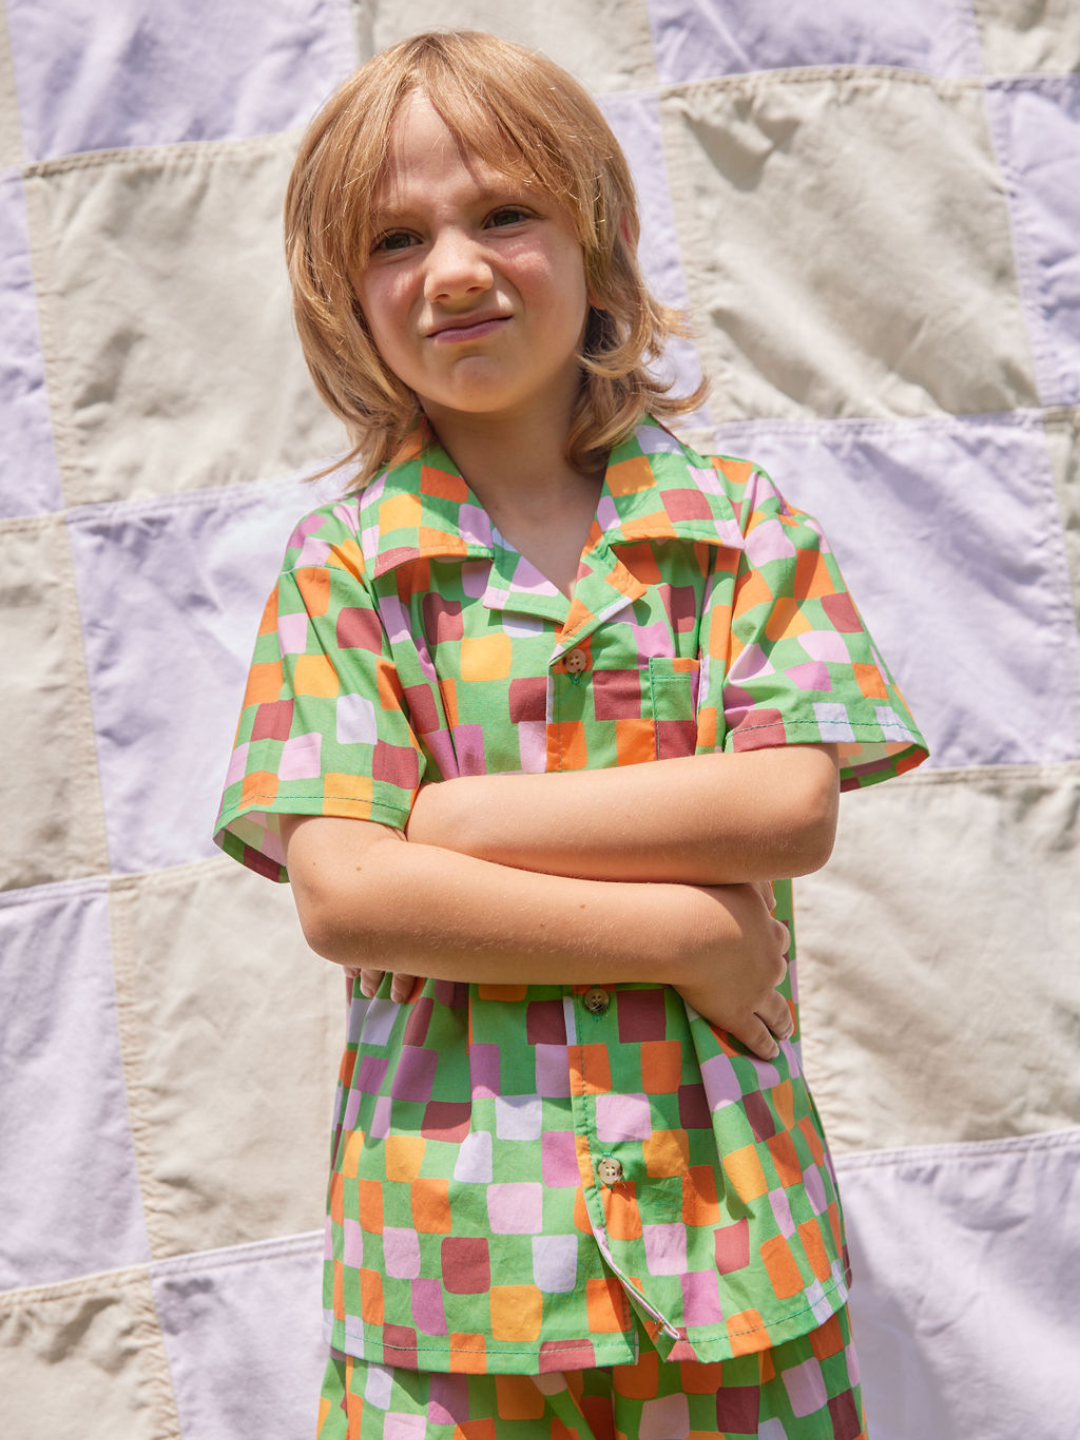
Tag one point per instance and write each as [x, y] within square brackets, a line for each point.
[401, 987]
[776, 1014]
[370, 980]
[758, 1039]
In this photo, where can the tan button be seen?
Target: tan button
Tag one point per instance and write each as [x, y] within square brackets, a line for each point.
[596, 1000]
[609, 1170]
[575, 661]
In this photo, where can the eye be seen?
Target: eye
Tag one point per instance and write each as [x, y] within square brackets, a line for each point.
[509, 215]
[393, 240]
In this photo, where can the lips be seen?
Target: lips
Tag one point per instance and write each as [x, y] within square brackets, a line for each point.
[467, 327]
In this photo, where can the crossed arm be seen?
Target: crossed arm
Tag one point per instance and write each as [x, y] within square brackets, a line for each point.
[649, 872]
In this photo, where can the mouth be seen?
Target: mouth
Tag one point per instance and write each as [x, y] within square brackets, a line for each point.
[467, 327]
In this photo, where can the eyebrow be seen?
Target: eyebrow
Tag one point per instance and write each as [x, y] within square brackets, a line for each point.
[390, 213]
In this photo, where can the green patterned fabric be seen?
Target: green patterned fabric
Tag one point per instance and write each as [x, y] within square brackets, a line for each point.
[519, 1171]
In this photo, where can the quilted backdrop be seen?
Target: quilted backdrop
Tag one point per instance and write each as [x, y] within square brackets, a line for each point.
[873, 211]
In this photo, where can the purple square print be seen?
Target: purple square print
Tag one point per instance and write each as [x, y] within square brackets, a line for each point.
[427, 1307]
[552, 1070]
[667, 1418]
[484, 1070]
[665, 1249]
[448, 1399]
[701, 1298]
[558, 1160]
[397, 1426]
[415, 1075]
[516, 1208]
[623, 1117]
[401, 1252]
[805, 1387]
[518, 1117]
[555, 1263]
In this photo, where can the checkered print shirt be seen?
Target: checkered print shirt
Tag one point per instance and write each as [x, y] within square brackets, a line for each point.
[522, 1173]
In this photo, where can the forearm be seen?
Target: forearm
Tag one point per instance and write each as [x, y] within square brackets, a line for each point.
[704, 820]
[431, 912]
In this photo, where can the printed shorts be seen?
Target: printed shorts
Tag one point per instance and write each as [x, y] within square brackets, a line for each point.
[807, 1389]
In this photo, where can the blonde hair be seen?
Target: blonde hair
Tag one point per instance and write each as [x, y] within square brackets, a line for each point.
[523, 114]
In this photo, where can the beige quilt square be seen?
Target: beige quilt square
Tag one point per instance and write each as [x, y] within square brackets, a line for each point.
[937, 964]
[53, 826]
[170, 353]
[10, 129]
[85, 1358]
[607, 44]
[847, 245]
[1019, 36]
[231, 1031]
[1063, 439]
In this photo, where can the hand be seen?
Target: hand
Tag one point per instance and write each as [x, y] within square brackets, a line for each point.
[735, 979]
[401, 985]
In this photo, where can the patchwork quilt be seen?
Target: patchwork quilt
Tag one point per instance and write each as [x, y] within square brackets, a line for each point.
[872, 213]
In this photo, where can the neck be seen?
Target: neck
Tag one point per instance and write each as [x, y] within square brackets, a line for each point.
[515, 464]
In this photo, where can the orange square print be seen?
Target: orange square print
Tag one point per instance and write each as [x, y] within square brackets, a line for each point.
[606, 1306]
[785, 1158]
[371, 1297]
[260, 785]
[661, 1066]
[666, 1152]
[590, 1070]
[337, 1199]
[783, 1103]
[431, 1206]
[486, 657]
[369, 1210]
[700, 1203]
[581, 1213]
[313, 582]
[516, 1312]
[573, 751]
[783, 1271]
[747, 1332]
[517, 1398]
[635, 741]
[813, 1139]
[827, 1339]
[745, 1173]
[404, 1156]
[870, 682]
[315, 675]
[351, 1159]
[701, 1378]
[621, 1213]
[640, 1381]
[468, 1354]
[347, 788]
[809, 1232]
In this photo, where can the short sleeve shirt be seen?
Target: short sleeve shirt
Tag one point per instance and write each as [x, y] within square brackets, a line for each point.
[523, 1174]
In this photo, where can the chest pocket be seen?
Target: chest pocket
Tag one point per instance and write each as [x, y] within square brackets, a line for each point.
[673, 685]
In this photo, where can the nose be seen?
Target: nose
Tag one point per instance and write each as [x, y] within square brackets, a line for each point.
[457, 266]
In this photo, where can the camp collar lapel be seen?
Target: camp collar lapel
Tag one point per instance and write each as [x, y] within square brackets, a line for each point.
[654, 488]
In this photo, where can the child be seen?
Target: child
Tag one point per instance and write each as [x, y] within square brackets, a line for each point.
[578, 1182]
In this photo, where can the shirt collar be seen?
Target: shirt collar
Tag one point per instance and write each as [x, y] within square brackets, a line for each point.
[655, 488]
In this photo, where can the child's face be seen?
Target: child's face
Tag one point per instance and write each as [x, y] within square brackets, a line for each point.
[475, 291]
